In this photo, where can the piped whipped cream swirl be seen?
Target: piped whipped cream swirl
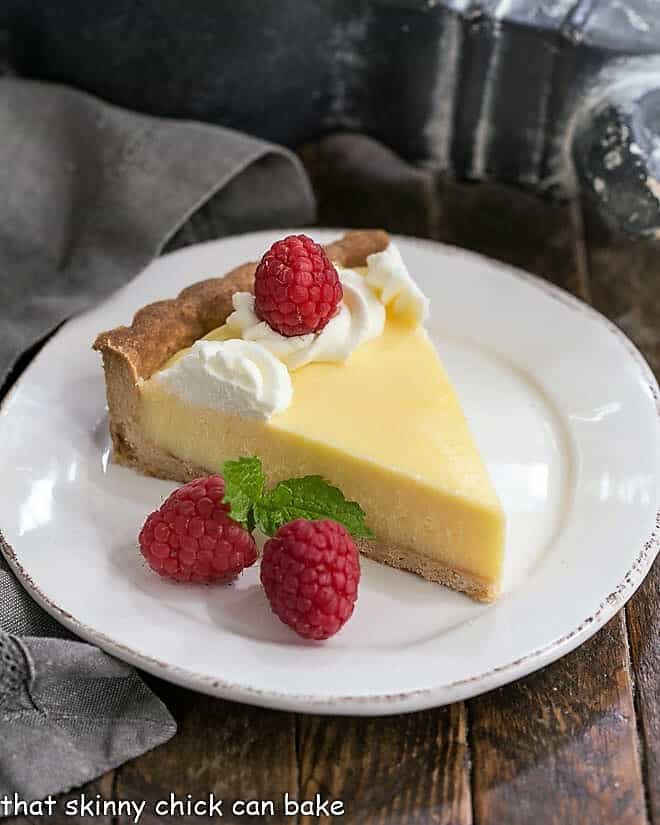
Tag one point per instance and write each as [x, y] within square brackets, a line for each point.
[236, 376]
[361, 316]
[389, 276]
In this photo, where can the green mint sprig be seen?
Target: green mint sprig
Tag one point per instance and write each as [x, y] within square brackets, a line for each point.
[309, 497]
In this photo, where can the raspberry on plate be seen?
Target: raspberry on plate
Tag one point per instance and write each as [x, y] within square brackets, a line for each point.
[297, 289]
[310, 571]
[192, 538]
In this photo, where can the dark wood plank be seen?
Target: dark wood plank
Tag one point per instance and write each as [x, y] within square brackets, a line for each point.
[234, 751]
[643, 621]
[625, 277]
[391, 771]
[643, 613]
[560, 746]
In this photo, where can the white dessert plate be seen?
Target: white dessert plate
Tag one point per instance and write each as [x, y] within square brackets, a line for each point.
[563, 407]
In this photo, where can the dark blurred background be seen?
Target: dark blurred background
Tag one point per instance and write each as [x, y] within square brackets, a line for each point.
[526, 130]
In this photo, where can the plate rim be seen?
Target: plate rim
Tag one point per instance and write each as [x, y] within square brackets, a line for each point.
[410, 700]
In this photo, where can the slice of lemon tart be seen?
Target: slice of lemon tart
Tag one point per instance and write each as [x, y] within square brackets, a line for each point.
[315, 379]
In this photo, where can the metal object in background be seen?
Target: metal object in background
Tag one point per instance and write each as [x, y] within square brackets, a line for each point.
[551, 95]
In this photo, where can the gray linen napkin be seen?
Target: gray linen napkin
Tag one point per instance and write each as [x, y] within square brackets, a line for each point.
[90, 194]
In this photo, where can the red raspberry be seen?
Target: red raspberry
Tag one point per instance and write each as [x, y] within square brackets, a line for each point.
[296, 288]
[310, 571]
[191, 537]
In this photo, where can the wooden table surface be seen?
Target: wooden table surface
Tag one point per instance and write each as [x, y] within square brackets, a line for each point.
[578, 742]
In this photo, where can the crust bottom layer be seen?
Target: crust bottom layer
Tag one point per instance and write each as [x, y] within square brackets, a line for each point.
[405, 558]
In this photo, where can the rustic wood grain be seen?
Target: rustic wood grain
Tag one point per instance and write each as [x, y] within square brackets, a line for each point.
[643, 613]
[234, 751]
[625, 276]
[560, 746]
[390, 771]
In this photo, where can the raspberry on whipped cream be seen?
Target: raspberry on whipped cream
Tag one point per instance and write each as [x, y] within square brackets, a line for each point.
[296, 288]
[361, 317]
[249, 374]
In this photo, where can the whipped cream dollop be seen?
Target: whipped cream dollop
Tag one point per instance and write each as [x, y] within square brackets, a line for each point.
[236, 376]
[389, 276]
[361, 316]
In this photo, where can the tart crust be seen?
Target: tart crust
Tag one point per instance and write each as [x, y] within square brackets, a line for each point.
[133, 354]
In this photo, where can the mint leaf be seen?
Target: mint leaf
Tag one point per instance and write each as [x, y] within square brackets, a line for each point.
[244, 486]
[310, 497]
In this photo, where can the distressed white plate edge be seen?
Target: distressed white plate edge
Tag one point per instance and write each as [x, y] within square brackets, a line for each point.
[410, 700]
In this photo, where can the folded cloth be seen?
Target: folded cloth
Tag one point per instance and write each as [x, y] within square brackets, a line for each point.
[91, 193]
